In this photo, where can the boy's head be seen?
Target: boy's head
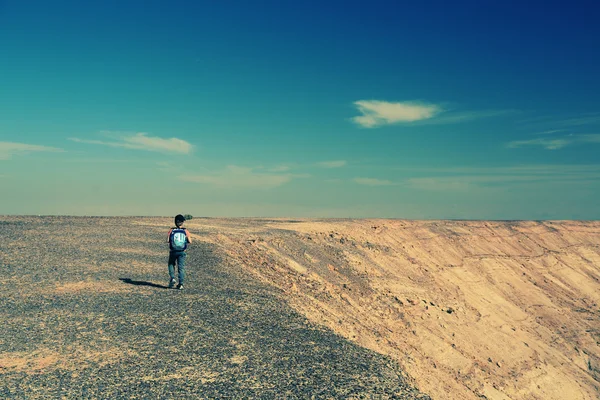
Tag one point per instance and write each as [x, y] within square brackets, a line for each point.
[179, 220]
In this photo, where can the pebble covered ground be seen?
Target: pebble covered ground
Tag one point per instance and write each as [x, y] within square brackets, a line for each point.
[86, 314]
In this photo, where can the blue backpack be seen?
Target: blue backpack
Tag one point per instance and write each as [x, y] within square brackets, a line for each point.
[178, 239]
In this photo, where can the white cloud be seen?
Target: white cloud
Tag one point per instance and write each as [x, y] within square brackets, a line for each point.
[455, 117]
[9, 149]
[550, 132]
[332, 164]
[242, 177]
[549, 169]
[550, 144]
[440, 183]
[590, 138]
[469, 178]
[173, 145]
[280, 168]
[378, 113]
[585, 119]
[141, 141]
[374, 182]
[558, 143]
[554, 124]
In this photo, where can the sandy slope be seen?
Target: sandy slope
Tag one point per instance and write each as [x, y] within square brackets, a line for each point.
[496, 310]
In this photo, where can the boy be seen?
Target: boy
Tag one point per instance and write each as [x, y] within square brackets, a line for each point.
[179, 238]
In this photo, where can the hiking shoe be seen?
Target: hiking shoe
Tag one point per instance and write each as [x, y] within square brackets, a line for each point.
[171, 283]
[180, 286]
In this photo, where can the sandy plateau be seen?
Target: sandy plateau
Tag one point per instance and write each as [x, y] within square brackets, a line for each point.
[470, 309]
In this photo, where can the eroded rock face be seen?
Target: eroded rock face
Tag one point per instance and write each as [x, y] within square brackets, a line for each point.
[470, 309]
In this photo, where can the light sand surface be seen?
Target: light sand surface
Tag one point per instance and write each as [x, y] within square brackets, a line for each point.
[470, 309]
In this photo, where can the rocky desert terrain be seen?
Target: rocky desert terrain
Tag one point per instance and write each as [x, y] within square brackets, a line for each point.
[281, 308]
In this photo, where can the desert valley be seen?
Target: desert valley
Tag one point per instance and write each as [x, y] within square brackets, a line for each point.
[451, 309]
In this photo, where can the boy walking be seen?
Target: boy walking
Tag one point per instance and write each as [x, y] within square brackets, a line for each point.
[179, 237]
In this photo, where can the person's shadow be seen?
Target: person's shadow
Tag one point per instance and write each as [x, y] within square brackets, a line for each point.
[143, 283]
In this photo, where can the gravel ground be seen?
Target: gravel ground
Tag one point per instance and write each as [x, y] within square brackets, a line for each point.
[86, 314]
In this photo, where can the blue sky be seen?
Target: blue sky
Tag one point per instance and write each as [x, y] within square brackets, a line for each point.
[433, 109]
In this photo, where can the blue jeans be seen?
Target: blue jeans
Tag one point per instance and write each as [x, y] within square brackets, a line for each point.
[179, 258]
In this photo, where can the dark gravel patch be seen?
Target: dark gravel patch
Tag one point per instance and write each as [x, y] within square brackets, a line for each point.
[123, 334]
